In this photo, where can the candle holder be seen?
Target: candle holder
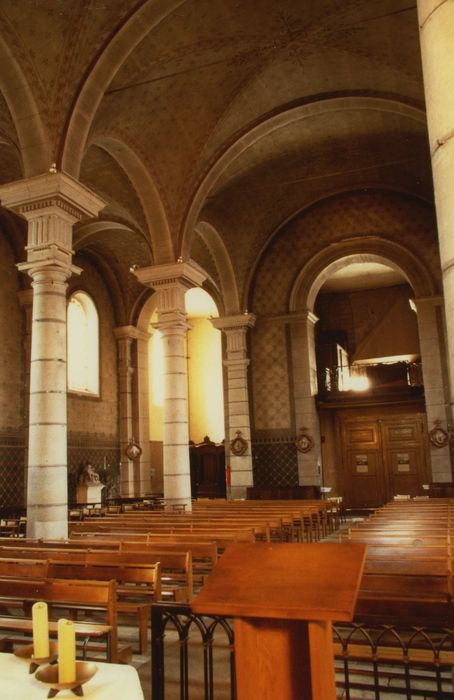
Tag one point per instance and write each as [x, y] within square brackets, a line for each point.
[25, 652]
[85, 670]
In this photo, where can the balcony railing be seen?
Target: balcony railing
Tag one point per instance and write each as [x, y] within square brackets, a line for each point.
[398, 377]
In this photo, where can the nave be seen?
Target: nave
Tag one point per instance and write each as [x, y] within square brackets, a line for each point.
[398, 645]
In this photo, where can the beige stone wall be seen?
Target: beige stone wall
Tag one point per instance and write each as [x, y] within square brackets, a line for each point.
[11, 330]
[93, 416]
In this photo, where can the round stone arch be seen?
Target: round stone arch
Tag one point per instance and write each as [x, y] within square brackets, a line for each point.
[367, 249]
[31, 133]
[427, 298]
[147, 192]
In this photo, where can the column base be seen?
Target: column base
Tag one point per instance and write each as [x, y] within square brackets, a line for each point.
[47, 530]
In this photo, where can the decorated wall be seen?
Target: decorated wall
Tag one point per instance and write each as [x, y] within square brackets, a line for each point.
[388, 215]
[12, 400]
[93, 429]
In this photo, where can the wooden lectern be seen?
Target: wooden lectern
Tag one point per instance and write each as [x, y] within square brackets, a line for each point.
[283, 598]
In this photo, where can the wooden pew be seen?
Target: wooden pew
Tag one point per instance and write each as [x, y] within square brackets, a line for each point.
[138, 586]
[176, 565]
[204, 555]
[19, 567]
[65, 594]
[176, 568]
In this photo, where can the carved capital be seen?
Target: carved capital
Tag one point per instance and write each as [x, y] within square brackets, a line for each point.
[52, 193]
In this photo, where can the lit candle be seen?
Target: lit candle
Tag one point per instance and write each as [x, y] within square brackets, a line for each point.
[66, 651]
[40, 624]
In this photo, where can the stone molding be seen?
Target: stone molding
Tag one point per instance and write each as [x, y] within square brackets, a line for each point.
[38, 195]
[185, 274]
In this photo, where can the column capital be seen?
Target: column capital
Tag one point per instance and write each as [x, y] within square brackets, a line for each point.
[173, 323]
[427, 302]
[185, 274]
[171, 282]
[54, 263]
[235, 328]
[235, 322]
[55, 193]
[51, 204]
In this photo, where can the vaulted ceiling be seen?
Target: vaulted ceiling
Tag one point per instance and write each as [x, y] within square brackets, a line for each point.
[207, 125]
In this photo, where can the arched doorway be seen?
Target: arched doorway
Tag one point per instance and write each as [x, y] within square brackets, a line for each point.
[374, 442]
[370, 397]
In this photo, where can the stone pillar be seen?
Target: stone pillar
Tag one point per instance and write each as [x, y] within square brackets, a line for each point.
[51, 204]
[238, 418]
[125, 337]
[304, 365]
[142, 414]
[436, 22]
[171, 281]
[134, 471]
[431, 342]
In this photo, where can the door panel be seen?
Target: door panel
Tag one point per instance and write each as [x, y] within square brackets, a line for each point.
[363, 476]
[404, 451]
[383, 456]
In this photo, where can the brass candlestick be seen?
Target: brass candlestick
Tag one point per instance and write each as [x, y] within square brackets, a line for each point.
[25, 652]
[49, 676]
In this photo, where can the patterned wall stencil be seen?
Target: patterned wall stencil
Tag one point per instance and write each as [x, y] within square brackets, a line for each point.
[11, 473]
[370, 213]
[274, 463]
[270, 381]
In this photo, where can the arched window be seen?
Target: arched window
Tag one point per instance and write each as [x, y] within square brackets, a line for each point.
[83, 345]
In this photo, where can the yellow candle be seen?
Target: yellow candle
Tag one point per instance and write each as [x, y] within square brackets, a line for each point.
[66, 651]
[40, 623]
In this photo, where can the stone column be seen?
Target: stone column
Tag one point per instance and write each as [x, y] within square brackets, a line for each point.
[134, 471]
[431, 342]
[238, 418]
[171, 281]
[436, 22]
[125, 337]
[304, 365]
[141, 424]
[51, 204]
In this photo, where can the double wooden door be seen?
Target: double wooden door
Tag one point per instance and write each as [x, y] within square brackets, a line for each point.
[383, 456]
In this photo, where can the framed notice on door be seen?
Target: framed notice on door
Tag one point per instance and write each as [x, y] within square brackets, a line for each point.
[362, 464]
[403, 462]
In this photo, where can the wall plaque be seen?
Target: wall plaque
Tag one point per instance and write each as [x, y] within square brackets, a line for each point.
[362, 464]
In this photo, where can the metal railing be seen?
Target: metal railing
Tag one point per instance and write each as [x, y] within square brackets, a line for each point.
[206, 632]
[383, 661]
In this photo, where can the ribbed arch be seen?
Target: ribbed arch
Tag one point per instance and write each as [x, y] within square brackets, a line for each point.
[118, 48]
[278, 121]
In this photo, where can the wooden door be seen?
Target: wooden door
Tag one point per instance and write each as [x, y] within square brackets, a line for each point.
[404, 455]
[207, 462]
[363, 463]
[383, 456]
